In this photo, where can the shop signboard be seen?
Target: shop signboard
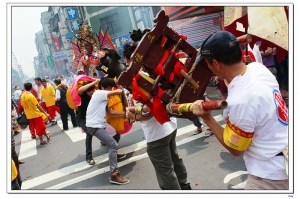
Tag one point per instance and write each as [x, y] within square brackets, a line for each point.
[121, 40]
[72, 13]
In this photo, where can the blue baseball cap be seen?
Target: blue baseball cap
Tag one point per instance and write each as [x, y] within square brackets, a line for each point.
[219, 43]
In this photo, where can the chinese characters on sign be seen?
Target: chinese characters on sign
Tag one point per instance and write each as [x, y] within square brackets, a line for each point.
[73, 17]
[72, 13]
[120, 40]
[50, 61]
[60, 55]
[75, 25]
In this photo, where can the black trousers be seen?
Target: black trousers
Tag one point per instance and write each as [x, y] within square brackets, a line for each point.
[64, 111]
[88, 140]
[17, 184]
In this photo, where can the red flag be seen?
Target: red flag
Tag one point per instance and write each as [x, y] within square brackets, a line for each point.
[76, 56]
[107, 43]
[100, 37]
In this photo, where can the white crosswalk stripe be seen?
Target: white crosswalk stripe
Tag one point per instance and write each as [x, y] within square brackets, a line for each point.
[74, 134]
[142, 144]
[28, 145]
[100, 159]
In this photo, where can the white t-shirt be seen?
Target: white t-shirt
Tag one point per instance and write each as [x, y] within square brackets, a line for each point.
[96, 110]
[255, 105]
[17, 94]
[57, 93]
[65, 82]
[153, 130]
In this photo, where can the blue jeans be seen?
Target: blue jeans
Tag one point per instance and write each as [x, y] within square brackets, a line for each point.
[273, 70]
[197, 123]
[88, 139]
[100, 74]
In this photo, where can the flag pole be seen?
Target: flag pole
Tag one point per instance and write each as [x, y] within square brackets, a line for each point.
[103, 38]
[99, 33]
[246, 47]
[72, 43]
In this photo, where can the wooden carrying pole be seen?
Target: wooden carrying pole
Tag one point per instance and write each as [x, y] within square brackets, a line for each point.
[207, 106]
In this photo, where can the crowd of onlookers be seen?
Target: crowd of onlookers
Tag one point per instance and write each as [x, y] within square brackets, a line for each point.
[42, 101]
[268, 58]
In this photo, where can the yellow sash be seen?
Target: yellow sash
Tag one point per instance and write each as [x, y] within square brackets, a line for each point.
[14, 171]
[115, 103]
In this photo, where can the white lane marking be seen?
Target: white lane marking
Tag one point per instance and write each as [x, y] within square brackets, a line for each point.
[234, 175]
[83, 165]
[218, 118]
[120, 164]
[74, 134]
[142, 144]
[240, 186]
[99, 159]
[28, 145]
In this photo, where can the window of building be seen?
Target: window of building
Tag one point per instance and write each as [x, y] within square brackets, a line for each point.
[137, 15]
[148, 22]
[113, 24]
[140, 25]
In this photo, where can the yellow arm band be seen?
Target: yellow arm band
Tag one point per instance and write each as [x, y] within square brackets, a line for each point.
[236, 138]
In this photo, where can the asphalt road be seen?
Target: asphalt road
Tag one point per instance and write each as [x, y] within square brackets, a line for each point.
[61, 166]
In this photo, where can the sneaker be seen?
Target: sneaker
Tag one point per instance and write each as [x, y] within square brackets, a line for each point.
[53, 123]
[121, 156]
[21, 161]
[208, 133]
[116, 178]
[90, 161]
[187, 188]
[196, 132]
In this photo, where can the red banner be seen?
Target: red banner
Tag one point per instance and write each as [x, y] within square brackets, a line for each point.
[100, 37]
[56, 44]
[76, 56]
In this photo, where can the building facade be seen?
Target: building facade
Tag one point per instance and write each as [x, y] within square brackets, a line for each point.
[15, 73]
[119, 21]
[61, 25]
